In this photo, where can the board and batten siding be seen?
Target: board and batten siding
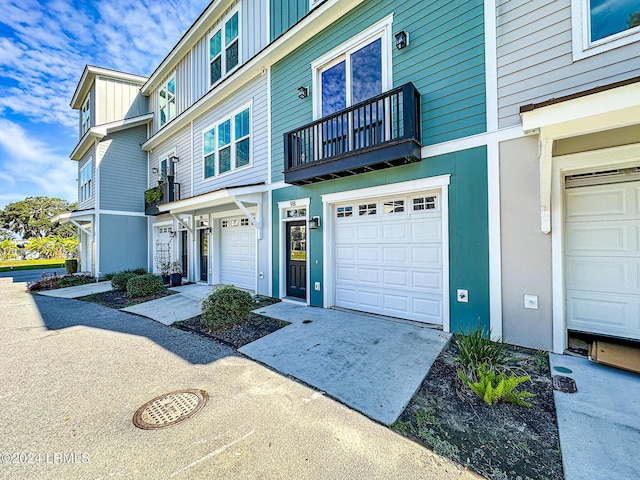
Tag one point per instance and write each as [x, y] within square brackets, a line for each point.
[116, 100]
[192, 72]
[89, 156]
[255, 92]
[535, 60]
[285, 13]
[179, 145]
[445, 61]
[123, 170]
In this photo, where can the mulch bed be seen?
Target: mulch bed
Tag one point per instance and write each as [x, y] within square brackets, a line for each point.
[118, 300]
[501, 442]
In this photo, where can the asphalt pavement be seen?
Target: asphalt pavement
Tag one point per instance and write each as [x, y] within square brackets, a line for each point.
[72, 375]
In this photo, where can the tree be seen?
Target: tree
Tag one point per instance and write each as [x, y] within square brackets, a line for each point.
[8, 249]
[31, 217]
[634, 19]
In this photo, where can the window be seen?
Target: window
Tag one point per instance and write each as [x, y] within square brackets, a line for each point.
[167, 101]
[367, 209]
[394, 206]
[226, 145]
[86, 175]
[342, 212]
[224, 50]
[296, 212]
[85, 116]
[424, 203]
[600, 25]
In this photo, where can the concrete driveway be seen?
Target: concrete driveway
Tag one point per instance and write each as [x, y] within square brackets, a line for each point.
[72, 374]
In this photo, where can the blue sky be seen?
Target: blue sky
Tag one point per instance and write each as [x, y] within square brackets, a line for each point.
[44, 46]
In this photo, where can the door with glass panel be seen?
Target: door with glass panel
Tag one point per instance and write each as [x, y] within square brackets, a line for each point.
[297, 259]
[346, 81]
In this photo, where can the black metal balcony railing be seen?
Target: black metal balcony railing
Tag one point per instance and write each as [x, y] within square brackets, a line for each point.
[169, 192]
[381, 132]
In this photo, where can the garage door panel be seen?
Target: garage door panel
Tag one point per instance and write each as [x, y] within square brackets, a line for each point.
[602, 274]
[588, 203]
[602, 259]
[392, 265]
[238, 255]
[597, 239]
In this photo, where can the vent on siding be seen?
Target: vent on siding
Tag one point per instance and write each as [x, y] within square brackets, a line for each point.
[603, 177]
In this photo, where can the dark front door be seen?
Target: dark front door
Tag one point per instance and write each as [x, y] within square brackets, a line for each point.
[204, 255]
[297, 259]
[184, 253]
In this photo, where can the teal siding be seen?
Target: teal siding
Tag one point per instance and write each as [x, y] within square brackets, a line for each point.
[285, 13]
[468, 226]
[444, 60]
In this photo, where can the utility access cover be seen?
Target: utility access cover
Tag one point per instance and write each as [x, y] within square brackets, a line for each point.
[564, 384]
[169, 409]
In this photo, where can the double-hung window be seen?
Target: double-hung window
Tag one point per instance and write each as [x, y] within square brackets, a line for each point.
[227, 144]
[224, 51]
[85, 116]
[167, 101]
[600, 25]
[86, 175]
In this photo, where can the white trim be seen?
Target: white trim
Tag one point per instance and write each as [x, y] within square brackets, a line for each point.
[581, 30]
[495, 251]
[269, 131]
[382, 30]
[282, 225]
[211, 199]
[192, 160]
[439, 183]
[491, 64]
[124, 213]
[616, 157]
[165, 85]
[474, 141]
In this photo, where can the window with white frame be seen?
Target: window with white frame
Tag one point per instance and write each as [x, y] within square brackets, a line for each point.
[227, 144]
[167, 101]
[86, 176]
[600, 25]
[355, 71]
[85, 116]
[224, 49]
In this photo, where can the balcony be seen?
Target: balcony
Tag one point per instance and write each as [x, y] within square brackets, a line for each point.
[381, 132]
[164, 193]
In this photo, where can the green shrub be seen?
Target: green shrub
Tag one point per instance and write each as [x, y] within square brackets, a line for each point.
[144, 285]
[226, 306]
[74, 280]
[476, 348]
[109, 276]
[120, 280]
[495, 386]
[138, 271]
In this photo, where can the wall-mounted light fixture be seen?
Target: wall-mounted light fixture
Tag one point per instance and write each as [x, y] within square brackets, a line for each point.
[303, 92]
[174, 159]
[314, 223]
[154, 170]
[402, 39]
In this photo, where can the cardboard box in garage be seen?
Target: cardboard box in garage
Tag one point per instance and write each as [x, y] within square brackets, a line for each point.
[616, 355]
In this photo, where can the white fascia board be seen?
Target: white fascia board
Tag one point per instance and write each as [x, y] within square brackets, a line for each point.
[127, 123]
[321, 17]
[186, 43]
[607, 106]
[86, 142]
[389, 189]
[219, 197]
[88, 76]
[66, 217]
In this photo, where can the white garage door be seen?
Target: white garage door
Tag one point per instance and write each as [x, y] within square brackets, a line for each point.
[388, 256]
[238, 253]
[602, 259]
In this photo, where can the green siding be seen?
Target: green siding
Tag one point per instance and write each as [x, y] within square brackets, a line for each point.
[444, 60]
[285, 13]
[468, 226]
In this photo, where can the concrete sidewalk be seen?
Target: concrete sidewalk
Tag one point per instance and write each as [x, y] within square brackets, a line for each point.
[78, 291]
[372, 364]
[174, 308]
[599, 425]
[73, 374]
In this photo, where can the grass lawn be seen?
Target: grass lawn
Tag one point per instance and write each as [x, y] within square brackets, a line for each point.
[13, 265]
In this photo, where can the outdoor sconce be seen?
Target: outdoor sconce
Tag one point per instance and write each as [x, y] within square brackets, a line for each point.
[154, 170]
[303, 92]
[174, 159]
[402, 39]
[314, 223]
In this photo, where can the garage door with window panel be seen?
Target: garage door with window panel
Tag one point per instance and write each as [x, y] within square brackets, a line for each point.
[388, 255]
[602, 254]
[238, 253]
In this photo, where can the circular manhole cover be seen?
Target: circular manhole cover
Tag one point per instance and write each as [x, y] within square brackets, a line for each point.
[169, 409]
